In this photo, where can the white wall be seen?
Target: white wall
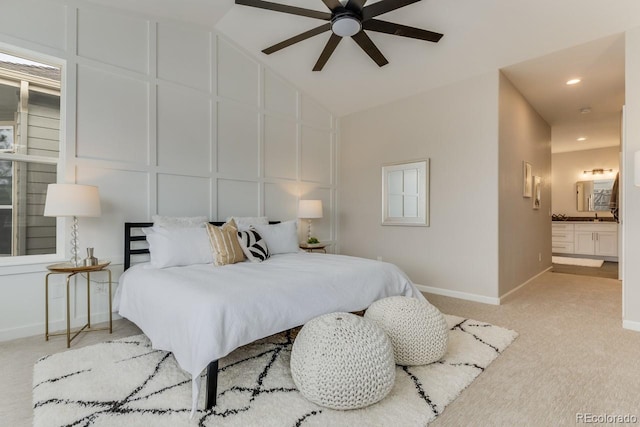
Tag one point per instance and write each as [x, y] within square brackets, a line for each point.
[568, 168]
[456, 127]
[525, 233]
[165, 118]
[631, 194]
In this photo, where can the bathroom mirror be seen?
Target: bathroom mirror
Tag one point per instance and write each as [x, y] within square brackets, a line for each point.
[405, 193]
[593, 196]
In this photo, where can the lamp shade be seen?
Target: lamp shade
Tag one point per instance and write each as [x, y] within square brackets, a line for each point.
[310, 209]
[72, 200]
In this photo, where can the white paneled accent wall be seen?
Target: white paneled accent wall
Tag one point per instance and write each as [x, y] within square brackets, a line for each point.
[168, 118]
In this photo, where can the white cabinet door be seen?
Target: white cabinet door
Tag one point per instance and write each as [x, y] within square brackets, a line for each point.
[584, 243]
[606, 243]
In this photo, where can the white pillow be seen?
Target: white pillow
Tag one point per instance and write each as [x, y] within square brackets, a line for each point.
[253, 245]
[179, 221]
[171, 247]
[245, 222]
[281, 238]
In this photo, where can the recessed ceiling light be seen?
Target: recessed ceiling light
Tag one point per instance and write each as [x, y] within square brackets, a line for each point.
[582, 138]
[573, 81]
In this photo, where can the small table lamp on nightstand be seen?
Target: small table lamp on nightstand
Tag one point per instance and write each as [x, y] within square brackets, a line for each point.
[309, 209]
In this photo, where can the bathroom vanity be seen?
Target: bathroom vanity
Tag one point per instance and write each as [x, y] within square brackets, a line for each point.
[598, 239]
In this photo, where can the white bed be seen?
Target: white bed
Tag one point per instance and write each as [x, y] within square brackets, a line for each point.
[201, 313]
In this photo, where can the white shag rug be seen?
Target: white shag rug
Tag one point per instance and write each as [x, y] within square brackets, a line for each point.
[584, 262]
[126, 383]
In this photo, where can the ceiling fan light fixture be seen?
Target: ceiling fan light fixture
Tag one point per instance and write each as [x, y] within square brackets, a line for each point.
[346, 26]
[347, 18]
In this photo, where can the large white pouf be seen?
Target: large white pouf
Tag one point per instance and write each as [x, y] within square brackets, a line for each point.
[342, 361]
[417, 329]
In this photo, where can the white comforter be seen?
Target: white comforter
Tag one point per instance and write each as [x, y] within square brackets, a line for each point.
[201, 313]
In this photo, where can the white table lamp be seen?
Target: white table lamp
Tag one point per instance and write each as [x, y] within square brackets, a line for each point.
[72, 200]
[309, 209]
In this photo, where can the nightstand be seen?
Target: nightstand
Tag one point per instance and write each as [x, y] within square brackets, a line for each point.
[311, 247]
[71, 271]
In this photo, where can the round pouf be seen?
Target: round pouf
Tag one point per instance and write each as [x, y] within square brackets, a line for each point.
[342, 361]
[417, 329]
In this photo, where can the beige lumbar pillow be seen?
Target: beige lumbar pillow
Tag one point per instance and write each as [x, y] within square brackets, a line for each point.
[224, 243]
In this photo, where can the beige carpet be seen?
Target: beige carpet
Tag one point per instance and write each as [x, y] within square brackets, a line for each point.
[572, 356]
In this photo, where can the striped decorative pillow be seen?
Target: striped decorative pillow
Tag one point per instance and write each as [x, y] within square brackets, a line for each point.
[253, 245]
[224, 244]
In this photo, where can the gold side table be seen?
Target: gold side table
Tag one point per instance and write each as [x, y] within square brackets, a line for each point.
[71, 271]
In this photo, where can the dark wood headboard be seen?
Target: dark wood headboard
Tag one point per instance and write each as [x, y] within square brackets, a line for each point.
[129, 238]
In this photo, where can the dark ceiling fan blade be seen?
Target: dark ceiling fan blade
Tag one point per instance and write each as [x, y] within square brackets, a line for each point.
[384, 6]
[367, 45]
[401, 30]
[355, 5]
[295, 39]
[327, 51]
[286, 9]
[332, 4]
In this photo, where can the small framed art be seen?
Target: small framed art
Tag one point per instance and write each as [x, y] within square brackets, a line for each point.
[527, 179]
[537, 192]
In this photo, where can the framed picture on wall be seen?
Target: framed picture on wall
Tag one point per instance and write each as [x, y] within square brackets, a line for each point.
[405, 193]
[527, 179]
[537, 191]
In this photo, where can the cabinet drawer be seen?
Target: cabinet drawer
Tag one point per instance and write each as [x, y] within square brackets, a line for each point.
[561, 236]
[595, 227]
[562, 247]
[561, 227]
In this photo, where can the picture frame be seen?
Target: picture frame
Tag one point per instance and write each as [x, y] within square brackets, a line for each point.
[405, 193]
[527, 180]
[537, 192]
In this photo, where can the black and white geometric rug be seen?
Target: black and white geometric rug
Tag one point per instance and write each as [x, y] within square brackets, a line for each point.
[126, 383]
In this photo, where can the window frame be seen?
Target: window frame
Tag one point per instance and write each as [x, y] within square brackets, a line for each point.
[20, 264]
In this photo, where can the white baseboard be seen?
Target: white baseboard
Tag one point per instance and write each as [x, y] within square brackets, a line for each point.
[631, 325]
[56, 326]
[475, 297]
[504, 297]
[459, 295]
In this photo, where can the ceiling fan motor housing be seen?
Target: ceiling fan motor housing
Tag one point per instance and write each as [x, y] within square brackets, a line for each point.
[346, 23]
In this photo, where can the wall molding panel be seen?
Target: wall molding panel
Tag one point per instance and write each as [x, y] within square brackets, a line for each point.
[165, 118]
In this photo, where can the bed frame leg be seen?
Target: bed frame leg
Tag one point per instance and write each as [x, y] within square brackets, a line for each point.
[212, 384]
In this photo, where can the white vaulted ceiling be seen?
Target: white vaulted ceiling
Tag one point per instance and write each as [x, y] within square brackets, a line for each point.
[479, 36]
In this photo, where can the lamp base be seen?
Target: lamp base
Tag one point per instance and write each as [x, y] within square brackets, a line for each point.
[75, 260]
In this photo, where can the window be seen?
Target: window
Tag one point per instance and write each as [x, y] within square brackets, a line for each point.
[29, 151]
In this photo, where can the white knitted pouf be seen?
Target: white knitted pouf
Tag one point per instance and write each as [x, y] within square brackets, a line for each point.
[342, 361]
[417, 329]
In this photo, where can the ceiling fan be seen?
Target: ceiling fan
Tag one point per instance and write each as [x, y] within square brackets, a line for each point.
[347, 20]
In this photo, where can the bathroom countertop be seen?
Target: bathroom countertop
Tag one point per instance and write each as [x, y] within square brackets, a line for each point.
[584, 219]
